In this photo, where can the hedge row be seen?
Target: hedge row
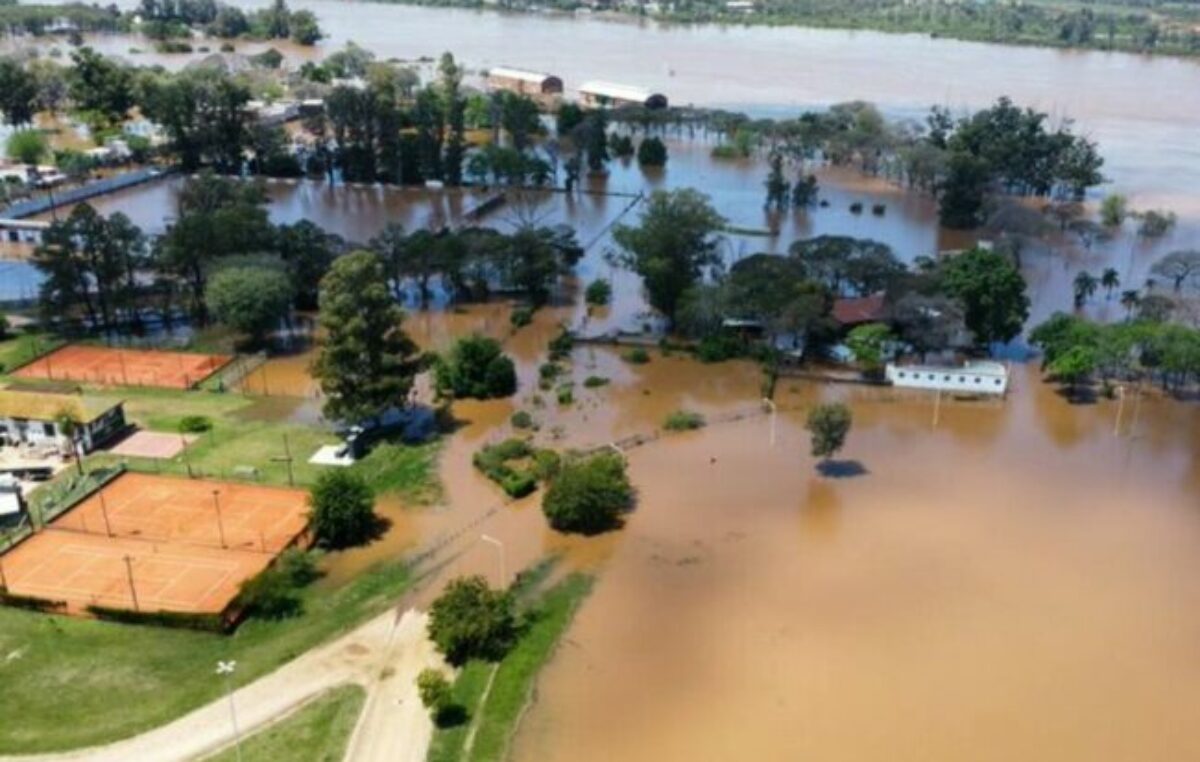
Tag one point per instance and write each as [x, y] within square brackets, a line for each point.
[495, 461]
[30, 602]
[205, 622]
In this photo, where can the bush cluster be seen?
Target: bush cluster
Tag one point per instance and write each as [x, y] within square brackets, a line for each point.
[516, 465]
[588, 495]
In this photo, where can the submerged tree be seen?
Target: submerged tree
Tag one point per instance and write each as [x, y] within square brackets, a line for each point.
[828, 424]
[671, 246]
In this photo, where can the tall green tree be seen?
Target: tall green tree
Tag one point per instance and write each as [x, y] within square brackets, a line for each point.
[342, 509]
[251, 299]
[217, 217]
[828, 424]
[101, 88]
[18, 92]
[469, 620]
[672, 244]
[366, 363]
[991, 291]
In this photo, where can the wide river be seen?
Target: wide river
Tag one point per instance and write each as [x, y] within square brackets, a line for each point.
[1144, 111]
[1011, 580]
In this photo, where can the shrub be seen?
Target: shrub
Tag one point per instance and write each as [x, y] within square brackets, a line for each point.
[637, 356]
[652, 153]
[476, 367]
[589, 495]
[469, 620]
[566, 394]
[549, 371]
[591, 382]
[561, 345]
[598, 293]
[683, 420]
[496, 463]
[437, 696]
[270, 595]
[342, 509]
[718, 348]
[522, 420]
[194, 424]
[521, 317]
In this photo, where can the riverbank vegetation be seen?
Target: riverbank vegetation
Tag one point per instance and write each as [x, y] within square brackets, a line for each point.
[1076, 352]
[589, 494]
[1130, 25]
[494, 695]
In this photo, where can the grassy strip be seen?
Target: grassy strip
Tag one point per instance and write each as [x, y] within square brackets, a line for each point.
[24, 348]
[318, 732]
[496, 721]
[66, 677]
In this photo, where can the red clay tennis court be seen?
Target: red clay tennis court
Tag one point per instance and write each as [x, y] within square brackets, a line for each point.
[158, 543]
[114, 366]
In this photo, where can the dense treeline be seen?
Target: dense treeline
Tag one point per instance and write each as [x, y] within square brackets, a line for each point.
[1003, 149]
[1143, 26]
[790, 298]
[1076, 351]
[106, 274]
[164, 19]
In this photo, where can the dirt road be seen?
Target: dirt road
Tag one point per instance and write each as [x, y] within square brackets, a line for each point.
[384, 656]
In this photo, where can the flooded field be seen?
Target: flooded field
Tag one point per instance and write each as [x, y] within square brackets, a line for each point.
[908, 223]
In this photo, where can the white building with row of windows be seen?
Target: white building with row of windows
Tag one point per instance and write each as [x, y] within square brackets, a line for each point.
[982, 377]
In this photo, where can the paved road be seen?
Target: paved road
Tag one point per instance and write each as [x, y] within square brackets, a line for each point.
[384, 656]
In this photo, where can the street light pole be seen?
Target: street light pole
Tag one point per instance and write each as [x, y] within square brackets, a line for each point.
[220, 525]
[771, 404]
[499, 546]
[226, 668]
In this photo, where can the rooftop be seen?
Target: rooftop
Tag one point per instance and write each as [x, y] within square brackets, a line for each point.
[524, 75]
[39, 406]
[616, 91]
[858, 309]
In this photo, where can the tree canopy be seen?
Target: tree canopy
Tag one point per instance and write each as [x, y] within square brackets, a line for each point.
[365, 362]
[672, 245]
[588, 495]
[469, 620]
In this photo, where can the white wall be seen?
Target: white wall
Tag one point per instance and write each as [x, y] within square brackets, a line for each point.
[991, 378]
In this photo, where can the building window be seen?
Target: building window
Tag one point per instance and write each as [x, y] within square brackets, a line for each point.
[978, 379]
[48, 429]
[901, 374]
[997, 382]
[962, 379]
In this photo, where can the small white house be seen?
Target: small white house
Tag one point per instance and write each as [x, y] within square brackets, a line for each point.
[972, 378]
[31, 418]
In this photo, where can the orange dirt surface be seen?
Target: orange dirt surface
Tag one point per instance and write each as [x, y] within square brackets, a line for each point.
[168, 529]
[114, 366]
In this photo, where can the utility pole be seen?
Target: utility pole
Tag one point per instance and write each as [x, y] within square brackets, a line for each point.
[226, 668]
[104, 511]
[500, 547]
[220, 525]
[132, 589]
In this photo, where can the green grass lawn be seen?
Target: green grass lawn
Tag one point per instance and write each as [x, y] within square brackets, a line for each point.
[318, 732]
[23, 347]
[495, 721]
[79, 682]
[237, 441]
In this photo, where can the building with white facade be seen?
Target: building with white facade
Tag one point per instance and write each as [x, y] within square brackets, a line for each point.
[32, 418]
[984, 377]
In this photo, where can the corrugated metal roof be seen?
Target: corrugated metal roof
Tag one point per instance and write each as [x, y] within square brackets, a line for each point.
[506, 72]
[615, 91]
[38, 406]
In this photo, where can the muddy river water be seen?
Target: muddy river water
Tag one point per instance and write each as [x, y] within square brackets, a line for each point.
[999, 581]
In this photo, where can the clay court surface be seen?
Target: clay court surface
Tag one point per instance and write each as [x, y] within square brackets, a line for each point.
[113, 366]
[168, 529]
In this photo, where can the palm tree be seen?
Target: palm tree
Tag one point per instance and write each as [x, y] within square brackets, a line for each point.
[1085, 286]
[1130, 300]
[1110, 280]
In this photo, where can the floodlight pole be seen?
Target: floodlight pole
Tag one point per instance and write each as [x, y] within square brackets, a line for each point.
[220, 524]
[226, 668]
[937, 407]
[500, 547]
[132, 589]
[104, 511]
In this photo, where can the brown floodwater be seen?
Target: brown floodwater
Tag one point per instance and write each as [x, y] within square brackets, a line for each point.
[1141, 109]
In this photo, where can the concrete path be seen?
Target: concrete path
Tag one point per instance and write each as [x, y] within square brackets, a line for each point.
[384, 656]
